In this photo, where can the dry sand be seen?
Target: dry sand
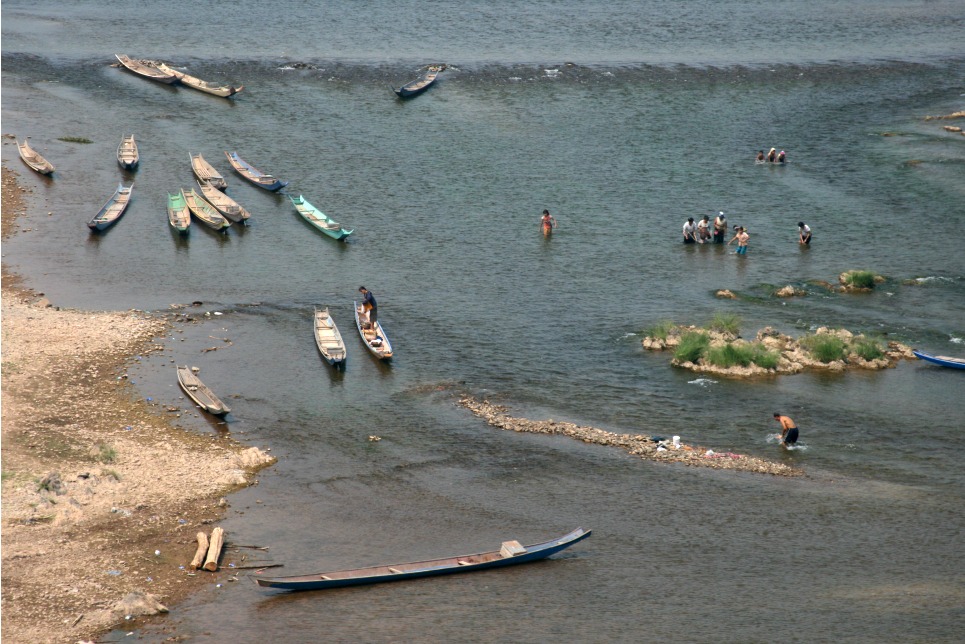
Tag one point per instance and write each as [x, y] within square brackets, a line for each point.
[94, 481]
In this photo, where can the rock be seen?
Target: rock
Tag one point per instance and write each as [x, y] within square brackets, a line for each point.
[138, 603]
[725, 294]
[789, 291]
[252, 458]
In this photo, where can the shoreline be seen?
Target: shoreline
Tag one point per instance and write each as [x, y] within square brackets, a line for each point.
[95, 481]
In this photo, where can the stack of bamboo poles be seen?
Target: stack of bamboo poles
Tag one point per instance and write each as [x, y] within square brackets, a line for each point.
[208, 552]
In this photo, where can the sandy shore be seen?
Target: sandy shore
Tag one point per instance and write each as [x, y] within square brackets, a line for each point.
[101, 496]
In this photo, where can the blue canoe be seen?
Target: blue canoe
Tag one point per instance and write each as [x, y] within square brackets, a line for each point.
[113, 209]
[319, 219]
[510, 554]
[944, 361]
[253, 174]
[421, 84]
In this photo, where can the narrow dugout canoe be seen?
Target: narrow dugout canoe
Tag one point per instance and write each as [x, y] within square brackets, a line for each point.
[200, 393]
[510, 553]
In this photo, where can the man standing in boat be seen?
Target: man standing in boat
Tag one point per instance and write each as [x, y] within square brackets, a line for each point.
[370, 305]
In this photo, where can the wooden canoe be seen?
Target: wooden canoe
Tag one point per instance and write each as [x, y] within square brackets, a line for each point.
[113, 209]
[253, 174]
[328, 338]
[204, 211]
[179, 215]
[33, 159]
[510, 553]
[319, 219]
[204, 171]
[373, 336]
[421, 84]
[200, 393]
[223, 203]
[145, 70]
[945, 361]
[127, 155]
[200, 85]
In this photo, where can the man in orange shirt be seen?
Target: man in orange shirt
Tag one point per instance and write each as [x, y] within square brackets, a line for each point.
[788, 429]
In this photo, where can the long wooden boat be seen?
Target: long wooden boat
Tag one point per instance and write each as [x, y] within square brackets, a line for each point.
[253, 174]
[200, 393]
[510, 553]
[113, 209]
[945, 361]
[421, 84]
[127, 154]
[328, 338]
[204, 171]
[223, 203]
[179, 215]
[141, 68]
[319, 219]
[33, 159]
[200, 85]
[204, 211]
[372, 334]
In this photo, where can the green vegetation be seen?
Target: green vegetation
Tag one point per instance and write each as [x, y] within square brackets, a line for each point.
[111, 474]
[107, 453]
[660, 330]
[74, 139]
[867, 348]
[859, 279]
[726, 323]
[5, 476]
[692, 346]
[743, 354]
[824, 347]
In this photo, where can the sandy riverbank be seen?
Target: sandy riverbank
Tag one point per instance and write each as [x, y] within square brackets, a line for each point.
[94, 481]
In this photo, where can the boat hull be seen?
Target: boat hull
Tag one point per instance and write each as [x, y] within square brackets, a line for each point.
[382, 352]
[254, 175]
[944, 361]
[145, 71]
[33, 159]
[328, 339]
[431, 568]
[113, 210]
[319, 220]
[197, 391]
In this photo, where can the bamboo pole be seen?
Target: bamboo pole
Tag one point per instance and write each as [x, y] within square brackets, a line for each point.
[199, 555]
[214, 550]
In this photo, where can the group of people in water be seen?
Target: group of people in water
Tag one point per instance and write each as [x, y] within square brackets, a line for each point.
[699, 232]
[773, 156]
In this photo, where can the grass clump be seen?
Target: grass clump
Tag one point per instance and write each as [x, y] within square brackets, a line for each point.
[74, 139]
[729, 323]
[824, 347]
[868, 349]
[660, 330]
[112, 474]
[742, 354]
[106, 453]
[859, 279]
[692, 347]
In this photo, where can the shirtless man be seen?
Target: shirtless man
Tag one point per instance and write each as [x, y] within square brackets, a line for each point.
[789, 431]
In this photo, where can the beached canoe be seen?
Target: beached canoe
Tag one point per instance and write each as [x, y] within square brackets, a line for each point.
[319, 219]
[204, 171]
[199, 392]
[127, 154]
[328, 338]
[253, 174]
[421, 84]
[510, 553]
[223, 203]
[945, 361]
[33, 159]
[113, 209]
[200, 85]
[372, 334]
[146, 70]
[204, 211]
[179, 215]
